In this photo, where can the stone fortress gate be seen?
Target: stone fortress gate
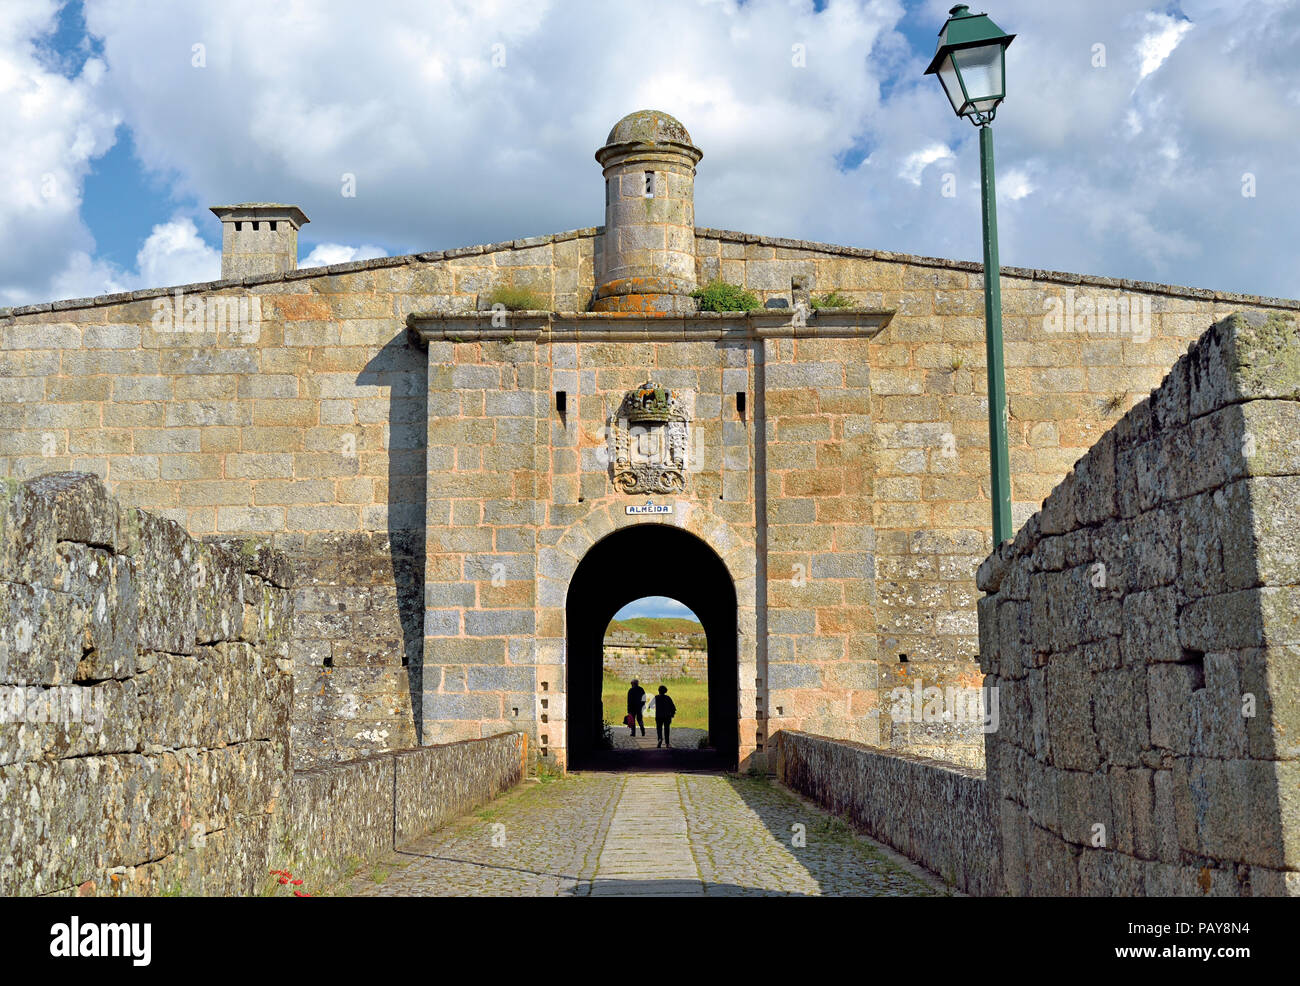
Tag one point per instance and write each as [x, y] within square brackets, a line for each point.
[467, 496]
[624, 452]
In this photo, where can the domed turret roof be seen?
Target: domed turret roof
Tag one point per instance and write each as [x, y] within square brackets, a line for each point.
[648, 126]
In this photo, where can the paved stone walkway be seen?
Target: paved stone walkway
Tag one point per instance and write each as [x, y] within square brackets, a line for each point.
[627, 834]
[683, 737]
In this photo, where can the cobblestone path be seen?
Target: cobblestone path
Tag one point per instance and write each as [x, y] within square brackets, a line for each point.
[620, 834]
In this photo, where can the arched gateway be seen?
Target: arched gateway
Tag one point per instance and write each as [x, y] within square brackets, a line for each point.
[649, 559]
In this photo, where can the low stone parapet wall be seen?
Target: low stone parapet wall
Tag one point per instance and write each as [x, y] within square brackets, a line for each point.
[937, 814]
[344, 814]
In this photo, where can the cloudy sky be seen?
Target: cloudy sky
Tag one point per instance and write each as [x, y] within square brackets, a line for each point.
[1154, 141]
[655, 606]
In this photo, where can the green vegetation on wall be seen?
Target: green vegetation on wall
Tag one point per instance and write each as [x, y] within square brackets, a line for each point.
[720, 296]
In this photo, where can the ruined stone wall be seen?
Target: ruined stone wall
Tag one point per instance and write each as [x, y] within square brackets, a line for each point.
[144, 698]
[315, 426]
[1141, 630]
[629, 661]
[937, 814]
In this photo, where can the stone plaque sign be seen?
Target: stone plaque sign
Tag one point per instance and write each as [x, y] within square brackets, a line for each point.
[649, 508]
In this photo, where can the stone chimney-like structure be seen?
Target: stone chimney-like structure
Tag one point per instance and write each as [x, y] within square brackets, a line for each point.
[258, 238]
[646, 260]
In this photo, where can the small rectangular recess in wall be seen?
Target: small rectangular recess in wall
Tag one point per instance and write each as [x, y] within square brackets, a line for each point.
[1195, 661]
[562, 401]
[740, 403]
[649, 184]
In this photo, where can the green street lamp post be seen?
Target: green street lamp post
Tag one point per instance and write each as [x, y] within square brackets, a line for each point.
[969, 62]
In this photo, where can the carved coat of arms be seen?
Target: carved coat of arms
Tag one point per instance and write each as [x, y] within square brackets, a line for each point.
[648, 439]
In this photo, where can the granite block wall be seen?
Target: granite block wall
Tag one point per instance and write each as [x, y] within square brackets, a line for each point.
[1142, 632]
[306, 419]
[628, 661]
[145, 690]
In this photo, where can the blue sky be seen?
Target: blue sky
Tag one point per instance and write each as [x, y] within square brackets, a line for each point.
[655, 606]
[1144, 140]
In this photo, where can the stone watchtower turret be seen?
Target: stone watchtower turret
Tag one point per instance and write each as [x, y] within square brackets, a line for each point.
[646, 259]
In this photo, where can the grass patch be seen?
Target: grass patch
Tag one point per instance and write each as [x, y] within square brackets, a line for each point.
[516, 299]
[832, 300]
[691, 698]
[653, 626]
[546, 771]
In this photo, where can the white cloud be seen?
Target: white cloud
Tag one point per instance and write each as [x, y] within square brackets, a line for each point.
[325, 254]
[1015, 185]
[173, 253]
[1159, 44]
[453, 141]
[53, 126]
[82, 276]
[918, 161]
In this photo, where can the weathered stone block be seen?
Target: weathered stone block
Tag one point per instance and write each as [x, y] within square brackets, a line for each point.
[1243, 357]
[1070, 688]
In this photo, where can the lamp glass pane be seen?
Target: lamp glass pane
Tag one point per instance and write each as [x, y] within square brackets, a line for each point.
[948, 76]
[981, 71]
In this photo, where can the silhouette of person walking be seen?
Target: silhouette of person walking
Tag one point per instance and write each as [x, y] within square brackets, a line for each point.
[635, 704]
[665, 708]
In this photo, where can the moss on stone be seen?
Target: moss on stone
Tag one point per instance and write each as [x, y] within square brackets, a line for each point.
[1267, 357]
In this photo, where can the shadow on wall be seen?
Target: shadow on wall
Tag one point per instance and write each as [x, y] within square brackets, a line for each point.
[402, 369]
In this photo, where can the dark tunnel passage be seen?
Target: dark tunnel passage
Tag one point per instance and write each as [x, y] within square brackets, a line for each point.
[649, 560]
